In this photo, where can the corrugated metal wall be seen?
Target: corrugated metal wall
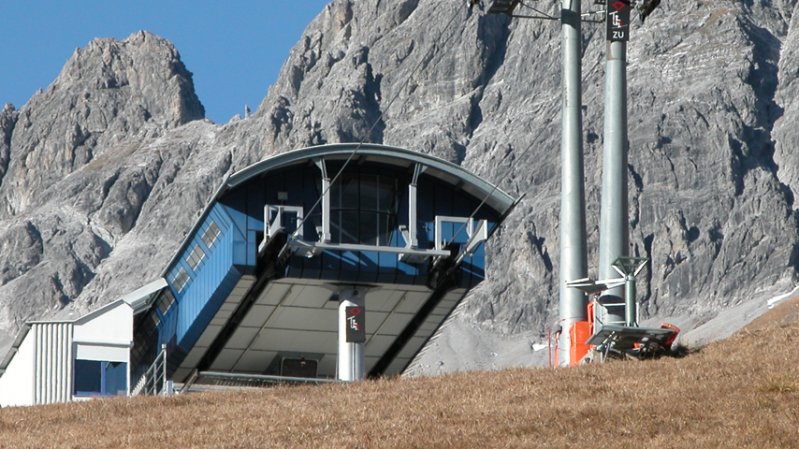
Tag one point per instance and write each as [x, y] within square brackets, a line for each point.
[52, 362]
[218, 264]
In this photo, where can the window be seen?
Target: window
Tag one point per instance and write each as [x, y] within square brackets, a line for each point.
[165, 301]
[180, 280]
[195, 257]
[155, 319]
[363, 209]
[211, 234]
[100, 378]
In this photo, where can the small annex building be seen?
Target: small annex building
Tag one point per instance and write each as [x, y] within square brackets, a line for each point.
[333, 262]
[64, 360]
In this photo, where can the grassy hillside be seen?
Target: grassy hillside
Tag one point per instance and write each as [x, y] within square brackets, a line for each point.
[742, 392]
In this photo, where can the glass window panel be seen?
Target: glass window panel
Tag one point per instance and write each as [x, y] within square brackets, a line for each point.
[165, 301]
[349, 226]
[180, 280]
[335, 225]
[349, 193]
[155, 319]
[100, 378]
[88, 380]
[388, 223]
[210, 235]
[195, 257]
[363, 209]
[387, 194]
[115, 378]
[369, 228]
[369, 192]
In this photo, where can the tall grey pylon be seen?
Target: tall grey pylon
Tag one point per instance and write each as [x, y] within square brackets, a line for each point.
[573, 258]
[613, 220]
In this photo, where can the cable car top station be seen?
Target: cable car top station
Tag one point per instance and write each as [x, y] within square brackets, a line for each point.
[334, 262]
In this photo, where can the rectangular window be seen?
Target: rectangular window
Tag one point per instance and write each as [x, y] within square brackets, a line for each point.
[363, 209]
[165, 301]
[155, 319]
[195, 257]
[211, 234]
[100, 378]
[115, 378]
[180, 280]
[88, 381]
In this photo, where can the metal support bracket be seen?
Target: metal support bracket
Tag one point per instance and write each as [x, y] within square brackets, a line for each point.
[325, 231]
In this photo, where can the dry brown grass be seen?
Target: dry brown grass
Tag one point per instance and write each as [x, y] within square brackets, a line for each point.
[743, 392]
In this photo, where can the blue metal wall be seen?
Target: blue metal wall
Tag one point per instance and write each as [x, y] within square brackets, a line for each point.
[211, 281]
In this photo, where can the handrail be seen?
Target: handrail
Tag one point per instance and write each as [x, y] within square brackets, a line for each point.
[154, 379]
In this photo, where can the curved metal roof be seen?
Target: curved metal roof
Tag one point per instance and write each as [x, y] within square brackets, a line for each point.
[441, 169]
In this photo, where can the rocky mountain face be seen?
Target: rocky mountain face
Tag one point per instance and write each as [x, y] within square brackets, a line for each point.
[91, 167]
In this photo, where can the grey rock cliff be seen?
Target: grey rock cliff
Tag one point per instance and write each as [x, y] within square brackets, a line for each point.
[94, 163]
[74, 175]
[8, 118]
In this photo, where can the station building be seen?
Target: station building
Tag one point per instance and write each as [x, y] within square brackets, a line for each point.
[329, 263]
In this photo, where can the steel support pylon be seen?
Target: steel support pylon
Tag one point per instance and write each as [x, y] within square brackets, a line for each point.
[613, 221]
[573, 259]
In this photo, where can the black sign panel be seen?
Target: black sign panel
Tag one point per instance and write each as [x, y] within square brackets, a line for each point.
[618, 20]
[356, 324]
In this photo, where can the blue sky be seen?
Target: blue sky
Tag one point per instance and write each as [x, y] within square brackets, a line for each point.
[234, 48]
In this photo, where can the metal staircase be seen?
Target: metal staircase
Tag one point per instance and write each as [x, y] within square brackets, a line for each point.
[154, 381]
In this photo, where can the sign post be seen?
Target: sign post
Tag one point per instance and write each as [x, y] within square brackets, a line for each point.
[618, 20]
[351, 335]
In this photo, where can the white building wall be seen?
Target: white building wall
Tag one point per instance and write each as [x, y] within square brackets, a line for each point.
[112, 325]
[106, 336]
[52, 362]
[42, 370]
[17, 382]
